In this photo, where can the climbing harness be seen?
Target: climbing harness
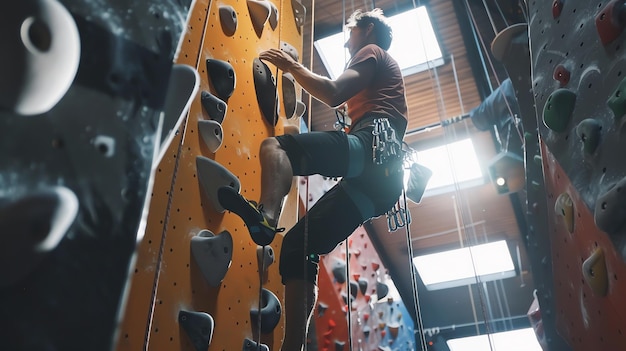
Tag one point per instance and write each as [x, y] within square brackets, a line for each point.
[385, 145]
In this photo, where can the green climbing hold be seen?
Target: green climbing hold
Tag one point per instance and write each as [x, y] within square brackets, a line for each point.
[557, 111]
[617, 101]
[588, 130]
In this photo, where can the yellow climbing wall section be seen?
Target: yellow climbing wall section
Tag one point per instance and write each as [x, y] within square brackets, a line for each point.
[166, 277]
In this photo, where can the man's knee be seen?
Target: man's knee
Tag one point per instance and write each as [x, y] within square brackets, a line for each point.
[270, 147]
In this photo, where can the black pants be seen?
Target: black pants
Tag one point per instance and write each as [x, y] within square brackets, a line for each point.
[366, 190]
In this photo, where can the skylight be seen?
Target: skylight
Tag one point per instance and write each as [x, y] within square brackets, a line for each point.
[514, 340]
[414, 44]
[460, 267]
[465, 166]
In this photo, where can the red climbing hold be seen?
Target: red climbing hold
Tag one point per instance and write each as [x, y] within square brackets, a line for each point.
[561, 74]
[610, 22]
[557, 7]
[375, 266]
[356, 276]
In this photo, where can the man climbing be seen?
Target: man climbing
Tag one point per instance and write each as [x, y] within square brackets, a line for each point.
[373, 88]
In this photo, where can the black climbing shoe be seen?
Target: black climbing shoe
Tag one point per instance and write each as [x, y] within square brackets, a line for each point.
[261, 231]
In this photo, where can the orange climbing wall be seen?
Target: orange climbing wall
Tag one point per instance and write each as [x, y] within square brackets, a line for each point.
[166, 275]
[588, 320]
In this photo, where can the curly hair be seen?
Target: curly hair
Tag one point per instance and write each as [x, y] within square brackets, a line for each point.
[382, 29]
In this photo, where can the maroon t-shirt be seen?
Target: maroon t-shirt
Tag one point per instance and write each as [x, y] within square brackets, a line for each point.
[385, 93]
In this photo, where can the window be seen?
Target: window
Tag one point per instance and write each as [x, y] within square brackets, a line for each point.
[460, 267]
[515, 340]
[414, 44]
[454, 161]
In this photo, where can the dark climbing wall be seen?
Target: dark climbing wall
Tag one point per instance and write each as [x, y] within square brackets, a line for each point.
[578, 73]
[168, 278]
[74, 177]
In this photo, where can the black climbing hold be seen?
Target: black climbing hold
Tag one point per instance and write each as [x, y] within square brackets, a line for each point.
[339, 345]
[213, 254]
[289, 95]
[381, 290]
[558, 109]
[610, 209]
[321, 309]
[617, 101]
[271, 311]
[222, 77]
[339, 271]
[589, 132]
[366, 331]
[265, 256]
[212, 134]
[181, 89]
[260, 11]
[199, 328]
[31, 227]
[212, 176]
[249, 345]
[214, 107]
[273, 19]
[354, 288]
[290, 50]
[299, 14]
[228, 19]
[265, 86]
[363, 285]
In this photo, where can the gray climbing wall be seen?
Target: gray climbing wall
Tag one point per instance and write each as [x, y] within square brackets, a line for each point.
[578, 64]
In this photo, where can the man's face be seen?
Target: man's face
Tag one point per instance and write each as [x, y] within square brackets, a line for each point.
[356, 40]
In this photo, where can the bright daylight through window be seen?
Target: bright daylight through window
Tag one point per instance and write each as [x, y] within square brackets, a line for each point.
[414, 44]
[514, 340]
[460, 267]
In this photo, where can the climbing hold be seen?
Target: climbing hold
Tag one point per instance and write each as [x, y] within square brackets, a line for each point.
[565, 208]
[367, 298]
[356, 276]
[375, 266]
[558, 109]
[383, 332]
[339, 345]
[289, 95]
[339, 271]
[300, 108]
[393, 330]
[41, 54]
[290, 50]
[228, 19]
[31, 226]
[595, 272]
[610, 22]
[557, 7]
[212, 176]
[366, 331]
[265, 256]
[589, 132]
[259, 14]
[354, 288]
[182, 88]
[366, 316]
[273, 19]
[356, 253]
[321, 309]
[213, 254]
[299, 14]
[250, 345]
[610, 209]
[363, 285]
[513, 34]
[199, 328]
[617, 101]
[270, 312]
[222, 77]
[562, 75]
[381, 290]
[265, 86]
[212, 134]
[214, 106]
